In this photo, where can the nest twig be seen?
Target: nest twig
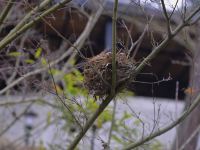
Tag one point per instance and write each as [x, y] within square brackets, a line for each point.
[98, 73]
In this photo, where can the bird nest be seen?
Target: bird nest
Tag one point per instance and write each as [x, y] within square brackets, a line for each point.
[98, 73]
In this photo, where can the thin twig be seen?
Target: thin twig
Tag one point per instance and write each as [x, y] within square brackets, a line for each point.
[172, 12]
[15, 120]
[137, 71]
[113, 121]
[70, 52]
[101, 107]
[61, 35]
[176, 101]
[138, 42]
[166, 17]
[172, 125]
[28, 16]
[17, 63]
[28, 25]
[109, 98]
[61, 100]
[6, 11]
[143, 64]
[165, 41]
[129, 36]
[94, 128]
[19, 102]
[90, 122]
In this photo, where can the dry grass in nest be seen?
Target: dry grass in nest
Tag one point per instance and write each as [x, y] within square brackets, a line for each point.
[98, 73]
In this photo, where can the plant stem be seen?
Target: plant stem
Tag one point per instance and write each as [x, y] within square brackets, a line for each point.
[109, 98]
[159, 132]
[94, 128]
[164, 43]
[29, 16]
[28, 25]
[90, 122]
[141, 66]
[6, 10]
[113, 121]
[138, 70]
[70, 52]
[114, 37]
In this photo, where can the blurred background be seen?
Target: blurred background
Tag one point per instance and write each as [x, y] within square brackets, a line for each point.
[43, 100]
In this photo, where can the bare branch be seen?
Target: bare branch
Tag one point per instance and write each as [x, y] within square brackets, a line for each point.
[28, 16]
[176, 4]
[166, 17]
[114, 37]
[172, 125]
[6, 11]
[113, 121]
[12, 77]
[15, 120]
[138, 42]
[166, 41]
[101, 108]
[137, 70]
[31, 100]
[25, 27]
[70, 52]
[61, 100]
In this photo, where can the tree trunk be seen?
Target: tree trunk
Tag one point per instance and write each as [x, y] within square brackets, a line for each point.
[188, 126]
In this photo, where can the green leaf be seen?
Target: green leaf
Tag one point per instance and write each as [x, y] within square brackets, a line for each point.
[91, 105]
[48, 117]
[38, 52]
[106, 116]
[29, 61]
[137, 122]
[55, 71]
[125, 116]
[72, 81]
[117, 139]
[43, 61]
[156, 145]
[15, 54]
